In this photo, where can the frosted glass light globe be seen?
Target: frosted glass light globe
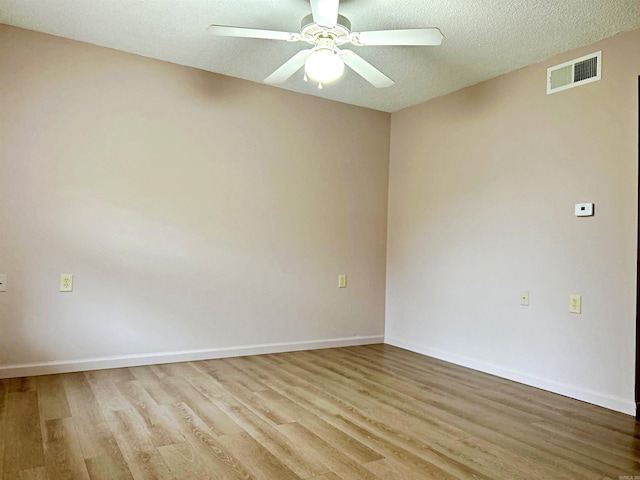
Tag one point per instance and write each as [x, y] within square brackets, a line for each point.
[324, 66]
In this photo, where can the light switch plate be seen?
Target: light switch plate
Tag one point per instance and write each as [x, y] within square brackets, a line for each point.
[584, 209]
[3, 282]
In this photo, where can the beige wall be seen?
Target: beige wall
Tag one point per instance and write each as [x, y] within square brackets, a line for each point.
[197, 212]
[483, 184]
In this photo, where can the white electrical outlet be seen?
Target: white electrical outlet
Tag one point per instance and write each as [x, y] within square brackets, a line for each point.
[3, 283]
[342, 281]
[524, 298]
[66, 282]
[575, 303]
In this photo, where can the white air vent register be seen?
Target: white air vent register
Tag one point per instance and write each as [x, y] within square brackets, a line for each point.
[574, 73]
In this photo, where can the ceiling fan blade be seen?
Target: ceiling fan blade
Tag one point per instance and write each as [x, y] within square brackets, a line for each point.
[290, 67]
[367, 71]
[325, 12]
[227, 31]
[415, 36]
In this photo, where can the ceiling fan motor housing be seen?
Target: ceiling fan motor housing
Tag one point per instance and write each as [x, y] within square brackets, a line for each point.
[326, 43]
[312, 32]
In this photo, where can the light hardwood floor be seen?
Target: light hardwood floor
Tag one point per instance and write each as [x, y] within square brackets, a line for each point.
[370, 412]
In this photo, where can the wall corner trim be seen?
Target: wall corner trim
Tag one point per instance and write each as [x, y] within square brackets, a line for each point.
[101, 363]
[597, 398]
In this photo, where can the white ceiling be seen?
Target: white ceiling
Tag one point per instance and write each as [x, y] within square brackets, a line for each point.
[483, 38]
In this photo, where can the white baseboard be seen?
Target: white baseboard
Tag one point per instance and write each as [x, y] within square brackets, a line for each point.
[85, 364]
[597, 398]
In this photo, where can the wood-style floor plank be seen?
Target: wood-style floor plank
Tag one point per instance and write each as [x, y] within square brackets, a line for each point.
[370, 412]
[151, 382]
[23, 447]
[576, 440]
[101, 452]
[4, 391]
[337, 462]
[136, 444]
[258, 461]
[326, 476]
[186, 463]
[32, 474]
[389, 469]
[217, 421]
[157, 425]
[105, 391]
[221, 463]
[52, 397]
[22, 384]
[63, 455]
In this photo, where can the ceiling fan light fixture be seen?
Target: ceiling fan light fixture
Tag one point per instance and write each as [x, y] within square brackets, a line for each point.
[324, 65]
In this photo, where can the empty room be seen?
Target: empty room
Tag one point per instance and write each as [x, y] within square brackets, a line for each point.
[319, 239]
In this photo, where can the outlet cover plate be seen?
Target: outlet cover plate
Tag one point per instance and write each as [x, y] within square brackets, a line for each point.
[575, 303]
[66, 282]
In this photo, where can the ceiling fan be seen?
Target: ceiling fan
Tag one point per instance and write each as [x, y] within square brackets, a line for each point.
[327, 31]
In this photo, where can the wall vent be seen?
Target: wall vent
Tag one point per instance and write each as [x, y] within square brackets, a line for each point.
[574, 73]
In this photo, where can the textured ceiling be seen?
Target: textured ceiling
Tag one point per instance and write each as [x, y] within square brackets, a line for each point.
[483, 38]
